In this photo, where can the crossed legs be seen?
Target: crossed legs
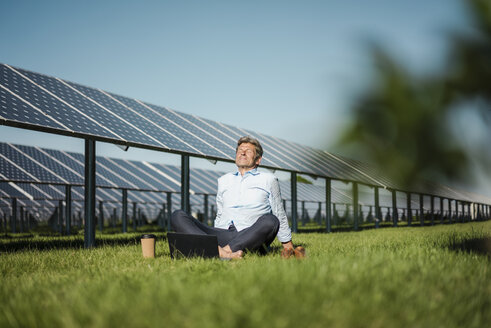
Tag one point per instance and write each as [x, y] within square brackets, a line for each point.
[231, 243]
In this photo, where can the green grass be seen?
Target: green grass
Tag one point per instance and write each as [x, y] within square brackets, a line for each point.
[391, 277]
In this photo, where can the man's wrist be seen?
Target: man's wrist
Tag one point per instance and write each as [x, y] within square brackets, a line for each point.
[287, 244]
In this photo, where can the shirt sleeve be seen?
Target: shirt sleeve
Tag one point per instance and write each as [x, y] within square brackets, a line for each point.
[219, 199]
[284, 233]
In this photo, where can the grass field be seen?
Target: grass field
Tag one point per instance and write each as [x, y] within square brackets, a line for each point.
[436, 276]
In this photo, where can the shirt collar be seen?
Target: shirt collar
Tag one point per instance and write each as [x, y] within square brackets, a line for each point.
[254, 171]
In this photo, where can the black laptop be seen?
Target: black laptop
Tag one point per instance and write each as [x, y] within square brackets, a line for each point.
[190, 245]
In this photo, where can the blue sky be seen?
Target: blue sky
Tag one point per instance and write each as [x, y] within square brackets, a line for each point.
[283, 68]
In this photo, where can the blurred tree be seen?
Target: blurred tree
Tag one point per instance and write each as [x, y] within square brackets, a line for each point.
[470, 67]
[401, 123]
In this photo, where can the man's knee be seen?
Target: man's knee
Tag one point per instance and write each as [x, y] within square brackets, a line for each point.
[269, 223]
[175, 217]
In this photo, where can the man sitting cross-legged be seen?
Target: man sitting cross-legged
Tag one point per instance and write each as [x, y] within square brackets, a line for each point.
[250, 211]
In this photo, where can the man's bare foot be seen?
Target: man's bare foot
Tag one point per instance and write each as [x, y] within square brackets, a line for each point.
[226, 253]
[299, 252]
[286, 253]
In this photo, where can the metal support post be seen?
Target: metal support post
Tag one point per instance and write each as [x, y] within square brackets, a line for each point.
[185, 184]
[394, 208]
[124, 211]
[162, 217]
[68, 209]
[441, 210]
[101, 215]
[28, 221]
[464, 213]
[432, 209]
[303, 213]
[134, 216]
[328, 205]
[450, 212]
[13, 220]
[378, 214]
[89, 236]
[60, 217]
[21, 225]
[421, 210]
[355, 205]
[205, 209]
[294, 201]
[169, 209]
[409, 210]
[457, 211]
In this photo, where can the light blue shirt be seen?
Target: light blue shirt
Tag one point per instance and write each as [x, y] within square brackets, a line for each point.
[241, 200]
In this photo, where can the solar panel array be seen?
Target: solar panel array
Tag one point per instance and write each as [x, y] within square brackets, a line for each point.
[40, 102]
[48, 170]
[35, 101]
[37, 178]
[26, 164]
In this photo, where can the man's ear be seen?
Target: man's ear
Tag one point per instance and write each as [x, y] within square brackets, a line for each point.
[258, 161]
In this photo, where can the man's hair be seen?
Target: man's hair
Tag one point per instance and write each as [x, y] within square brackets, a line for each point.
[255, 142]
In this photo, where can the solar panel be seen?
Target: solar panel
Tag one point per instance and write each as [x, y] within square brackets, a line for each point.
[9, 171]
[22, 103]
[195, 137]
[123, 171]
[49, 163]
[146, 173]
[168, 133]
[35, 170]
[8, 190]
[141, 129]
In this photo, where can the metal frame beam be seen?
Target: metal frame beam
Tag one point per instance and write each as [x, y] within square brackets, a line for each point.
[68, 209]
[124, 212]
[185, 204]
[421, 210]
[13, 219]
[355, 205]
[101, 215]
[89, 236]
[394, 208]
[378, 214]
[409, 209]
[169, 209]
[328, 205]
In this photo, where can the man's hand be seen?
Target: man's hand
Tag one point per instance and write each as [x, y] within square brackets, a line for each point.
[288, 251]
[287, 245]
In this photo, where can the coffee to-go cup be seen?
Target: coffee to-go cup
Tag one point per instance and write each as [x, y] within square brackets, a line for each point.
[148, 245]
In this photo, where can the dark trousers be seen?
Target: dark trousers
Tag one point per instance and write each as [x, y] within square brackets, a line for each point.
[255, 238]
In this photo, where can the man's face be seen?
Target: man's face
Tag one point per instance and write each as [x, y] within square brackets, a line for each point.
[244, 158]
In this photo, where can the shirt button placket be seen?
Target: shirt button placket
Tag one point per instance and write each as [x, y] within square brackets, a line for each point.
[241, 188]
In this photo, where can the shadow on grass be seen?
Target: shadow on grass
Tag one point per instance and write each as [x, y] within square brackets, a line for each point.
[480, 246]
[381, 225]
[13, 244]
